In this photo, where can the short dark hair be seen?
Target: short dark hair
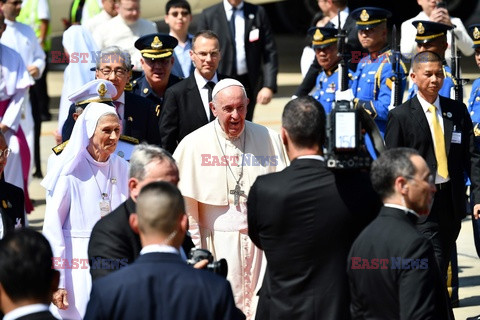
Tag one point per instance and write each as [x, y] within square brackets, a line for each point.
[208, 34]
[304, 119]
[391, 164]
[423, 57]
[177, 4]
[159, 205]
[26, 266]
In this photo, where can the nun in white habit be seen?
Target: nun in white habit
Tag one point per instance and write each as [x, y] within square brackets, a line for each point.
[87, 182]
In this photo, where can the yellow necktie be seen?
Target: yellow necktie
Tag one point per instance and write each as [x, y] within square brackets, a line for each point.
[440, 152]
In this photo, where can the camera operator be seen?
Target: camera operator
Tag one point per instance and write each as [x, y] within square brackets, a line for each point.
[159, 284]
[305, 219]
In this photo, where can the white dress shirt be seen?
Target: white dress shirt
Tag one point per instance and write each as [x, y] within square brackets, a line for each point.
[201, 85]
[241, 55]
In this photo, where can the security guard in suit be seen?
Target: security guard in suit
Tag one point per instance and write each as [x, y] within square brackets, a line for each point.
[324, 43]
[157, 63]
[373, 80]
[432, 36]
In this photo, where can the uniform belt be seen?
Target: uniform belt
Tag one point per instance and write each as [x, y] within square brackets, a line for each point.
[443, 186]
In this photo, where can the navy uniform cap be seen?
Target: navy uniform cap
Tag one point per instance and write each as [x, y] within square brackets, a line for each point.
[322, 37]
[474, 31]
[428, 31]
[156, 45]
[370, 17]
[98, 90]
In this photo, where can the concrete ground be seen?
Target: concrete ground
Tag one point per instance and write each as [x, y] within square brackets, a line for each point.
[289, 77]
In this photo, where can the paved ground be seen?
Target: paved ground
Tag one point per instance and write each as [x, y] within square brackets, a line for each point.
[269, 115]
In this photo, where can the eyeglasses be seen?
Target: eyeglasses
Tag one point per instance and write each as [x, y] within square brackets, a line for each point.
[182, 13]
[203, 55]
[429, 179]
[5, 153]
[119, 72]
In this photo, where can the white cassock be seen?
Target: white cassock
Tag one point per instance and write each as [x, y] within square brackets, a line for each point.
[21, 38]
[208, 185]
[117, 32]
[72, 211]
[92, 23]
[14, 83]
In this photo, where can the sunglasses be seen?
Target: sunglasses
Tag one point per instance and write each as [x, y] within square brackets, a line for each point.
[182, 13]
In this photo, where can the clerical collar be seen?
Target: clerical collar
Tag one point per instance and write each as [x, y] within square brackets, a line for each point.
[163, 248]
[404, 209]
[312, 156]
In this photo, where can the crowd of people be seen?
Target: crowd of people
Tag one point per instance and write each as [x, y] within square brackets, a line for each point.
[158, 155]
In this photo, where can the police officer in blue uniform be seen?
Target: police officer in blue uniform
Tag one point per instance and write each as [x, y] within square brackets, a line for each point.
[432, 36]
[157, 63]
[474, 100]
[324, 43]
[373, 80]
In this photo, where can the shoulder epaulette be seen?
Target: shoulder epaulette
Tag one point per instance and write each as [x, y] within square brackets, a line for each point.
[129, 139]
[59, 148]
[128, 87]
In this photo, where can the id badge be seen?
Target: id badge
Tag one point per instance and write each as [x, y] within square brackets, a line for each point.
[456, 137]
[104, 207]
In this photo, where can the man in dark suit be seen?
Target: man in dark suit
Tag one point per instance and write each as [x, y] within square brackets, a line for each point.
[186, 105]
[12, 201]
[113, 244]
[441, 130]
[249, 52]
[27, 279]
[305, 219]
[159, 285]
[137, 114]
[392, 267]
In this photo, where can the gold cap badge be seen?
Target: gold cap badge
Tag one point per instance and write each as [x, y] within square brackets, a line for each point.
[364, 15]
[420, 28]
[476, 33]
[101, 89]
[156, 44]
[318, 36]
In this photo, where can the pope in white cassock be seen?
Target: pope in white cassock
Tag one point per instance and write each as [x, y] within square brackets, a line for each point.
[218, 163]
[87, 182]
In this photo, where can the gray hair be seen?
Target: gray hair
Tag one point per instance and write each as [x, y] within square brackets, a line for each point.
[389, 166]
[114, 53]
[142, 155]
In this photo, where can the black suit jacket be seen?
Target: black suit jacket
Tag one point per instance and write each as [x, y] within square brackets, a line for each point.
[407, 126]
[415, 290]
[112, 238]
[305, 218]
[140, 118]
[182, 112]
[162, 286]
[45, 315]
[262, 50]
[12, 206]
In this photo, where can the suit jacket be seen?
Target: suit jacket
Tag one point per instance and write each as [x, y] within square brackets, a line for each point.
[162, 286]
[12, 206]
[407, 126]
[305, 218]
[182, 112]
[44, 315]
[393, 290]
[262, 50]
[140, 118]
[112, 238]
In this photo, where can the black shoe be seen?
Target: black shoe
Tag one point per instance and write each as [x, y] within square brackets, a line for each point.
[474, 318]
[38, 174]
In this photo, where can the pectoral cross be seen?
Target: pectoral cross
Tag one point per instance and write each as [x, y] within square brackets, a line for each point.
[236, 194]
